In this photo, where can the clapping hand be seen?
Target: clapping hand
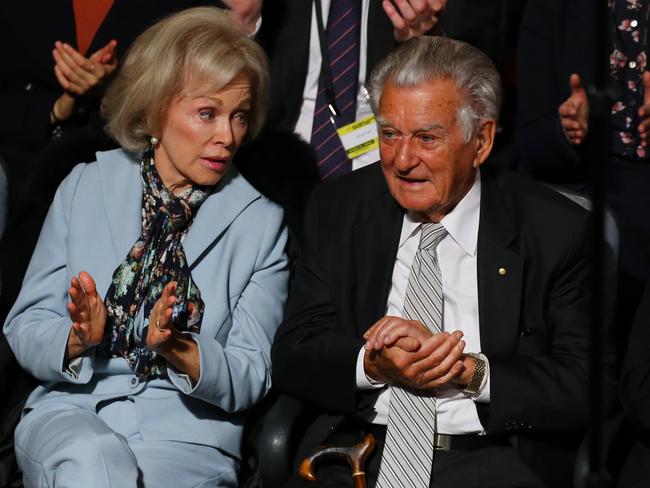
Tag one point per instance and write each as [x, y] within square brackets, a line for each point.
[77, 74]
[413, 18]
[574, 112]
[88, 315]
[180, 350]
[161, 331]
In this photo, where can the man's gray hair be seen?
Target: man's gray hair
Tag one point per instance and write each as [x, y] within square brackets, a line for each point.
[428, 58]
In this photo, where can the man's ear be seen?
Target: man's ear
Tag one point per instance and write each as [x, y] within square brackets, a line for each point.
[484, 141]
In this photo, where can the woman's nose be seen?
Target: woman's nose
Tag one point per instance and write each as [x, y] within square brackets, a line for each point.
[223, 133]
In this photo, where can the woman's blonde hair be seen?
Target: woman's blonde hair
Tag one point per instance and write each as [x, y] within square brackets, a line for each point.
[199, 44]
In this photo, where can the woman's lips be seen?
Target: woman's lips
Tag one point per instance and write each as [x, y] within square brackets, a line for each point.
[217, 164]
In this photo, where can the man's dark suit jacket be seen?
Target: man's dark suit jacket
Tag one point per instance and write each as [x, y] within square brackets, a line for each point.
[534, 319]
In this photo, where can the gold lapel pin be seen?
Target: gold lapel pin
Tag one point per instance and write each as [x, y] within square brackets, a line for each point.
[502, 271]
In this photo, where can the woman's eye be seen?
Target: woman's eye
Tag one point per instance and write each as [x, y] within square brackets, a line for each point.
[241, 118]
[206, 114]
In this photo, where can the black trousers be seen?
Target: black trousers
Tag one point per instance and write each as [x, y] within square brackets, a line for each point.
[489, 467]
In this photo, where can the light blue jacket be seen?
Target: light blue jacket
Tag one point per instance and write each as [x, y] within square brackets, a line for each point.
[93, 222]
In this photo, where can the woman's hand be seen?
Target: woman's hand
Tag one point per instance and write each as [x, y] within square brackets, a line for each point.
[77, 74]
[88, 315]
[178, 349]
[161, 331]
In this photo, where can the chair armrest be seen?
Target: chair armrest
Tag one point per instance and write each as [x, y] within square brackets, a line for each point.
[276, 448]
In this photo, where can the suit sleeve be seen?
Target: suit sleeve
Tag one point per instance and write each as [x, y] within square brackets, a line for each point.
[38, 325]
[313, 359]
[236, 375]
[544, 386]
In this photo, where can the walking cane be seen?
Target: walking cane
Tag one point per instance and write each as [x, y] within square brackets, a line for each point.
[355, 456]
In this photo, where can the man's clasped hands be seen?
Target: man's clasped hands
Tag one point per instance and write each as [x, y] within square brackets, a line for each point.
[407, 353]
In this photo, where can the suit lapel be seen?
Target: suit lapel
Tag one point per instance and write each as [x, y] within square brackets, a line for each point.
[500, 272]
[232, 195]
[121, 193]
[376, 238]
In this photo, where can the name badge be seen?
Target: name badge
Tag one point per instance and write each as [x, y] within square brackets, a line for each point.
[359, 137]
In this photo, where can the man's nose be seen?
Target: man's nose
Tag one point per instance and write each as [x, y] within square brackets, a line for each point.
[405, 157]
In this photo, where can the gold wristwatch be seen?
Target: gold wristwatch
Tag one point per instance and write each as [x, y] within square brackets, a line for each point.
[476, 381]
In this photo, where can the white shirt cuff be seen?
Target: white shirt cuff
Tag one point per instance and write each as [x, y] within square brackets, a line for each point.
[364, 382]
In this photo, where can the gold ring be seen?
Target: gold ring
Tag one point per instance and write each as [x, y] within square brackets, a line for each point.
[158, 326]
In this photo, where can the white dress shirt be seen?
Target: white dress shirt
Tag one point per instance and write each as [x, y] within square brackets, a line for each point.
[306, 118]
[456, 411]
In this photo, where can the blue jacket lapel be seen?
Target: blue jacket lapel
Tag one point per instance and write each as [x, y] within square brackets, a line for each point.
[231, 196]
[121, 193]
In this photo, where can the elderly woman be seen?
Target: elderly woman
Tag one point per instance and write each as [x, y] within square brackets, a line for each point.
[175, 271]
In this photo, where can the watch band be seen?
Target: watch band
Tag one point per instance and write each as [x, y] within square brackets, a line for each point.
[475, 382]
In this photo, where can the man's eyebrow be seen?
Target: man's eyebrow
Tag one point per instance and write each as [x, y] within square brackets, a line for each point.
[381, 122]
[431, 127]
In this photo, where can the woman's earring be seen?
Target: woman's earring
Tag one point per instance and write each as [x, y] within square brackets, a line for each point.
[154, 140]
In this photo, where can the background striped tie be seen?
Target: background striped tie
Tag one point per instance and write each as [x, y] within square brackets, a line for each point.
[342, 33]
[408, 453]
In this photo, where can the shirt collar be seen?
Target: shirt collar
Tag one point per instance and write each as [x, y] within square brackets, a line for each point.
[461, 223]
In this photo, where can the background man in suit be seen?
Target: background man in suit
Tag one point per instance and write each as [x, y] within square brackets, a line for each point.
[483, 338]
[357, 34]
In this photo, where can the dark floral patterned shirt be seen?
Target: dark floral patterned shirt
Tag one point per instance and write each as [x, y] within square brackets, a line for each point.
[627, 62]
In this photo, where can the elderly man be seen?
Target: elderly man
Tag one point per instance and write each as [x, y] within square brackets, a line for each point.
[442, 308]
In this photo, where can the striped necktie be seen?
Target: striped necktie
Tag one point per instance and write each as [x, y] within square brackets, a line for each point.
[342, 36]
[408, 453]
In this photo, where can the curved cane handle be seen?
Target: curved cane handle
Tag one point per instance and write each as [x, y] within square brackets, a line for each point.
[354, 455]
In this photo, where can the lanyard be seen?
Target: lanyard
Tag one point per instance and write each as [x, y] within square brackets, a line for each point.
[325, 72]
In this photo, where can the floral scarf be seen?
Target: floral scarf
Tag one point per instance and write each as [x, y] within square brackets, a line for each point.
[156, 258]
